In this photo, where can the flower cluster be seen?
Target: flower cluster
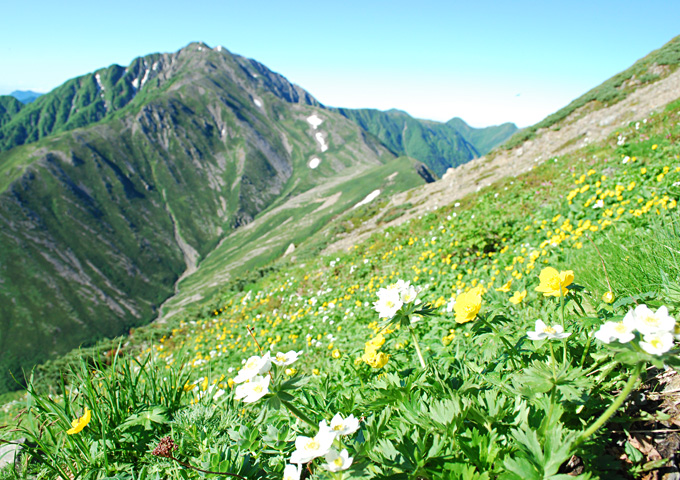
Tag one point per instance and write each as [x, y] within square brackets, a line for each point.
[371, 355]
[254, 376]
[321, 445]
[392, 298]
[657, 329]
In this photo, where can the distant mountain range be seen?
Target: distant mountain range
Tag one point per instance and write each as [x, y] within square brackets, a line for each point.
[25, 96]
[439, 145]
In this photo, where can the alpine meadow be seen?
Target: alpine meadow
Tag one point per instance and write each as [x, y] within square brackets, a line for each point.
[207, 273]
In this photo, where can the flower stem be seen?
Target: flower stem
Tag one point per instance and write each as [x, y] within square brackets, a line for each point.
[585, 351]
[564, 343]
[613, 407]
[553, 362]
[298, 413]
[417, 345]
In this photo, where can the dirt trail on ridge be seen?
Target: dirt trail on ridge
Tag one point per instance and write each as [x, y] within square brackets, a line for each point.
[583, 127]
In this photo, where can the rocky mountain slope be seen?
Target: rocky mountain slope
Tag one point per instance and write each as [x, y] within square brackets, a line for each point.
[139, 175]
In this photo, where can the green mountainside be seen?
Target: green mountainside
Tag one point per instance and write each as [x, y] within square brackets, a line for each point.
[125, 188]
[440, 146]
[9, 107]
[90, 98]
[483, 139]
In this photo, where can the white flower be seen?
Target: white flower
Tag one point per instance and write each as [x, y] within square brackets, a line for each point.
[611, 331]
[657, 343]
[646, 321]
[389, 302]
[292, 472]
[338, 461]
[543, 331]
[339, 426]
[307, 449]
[283, 359]
[254, 366]
[253, 390]
[218, 394]
[408, 293]
[599, 204]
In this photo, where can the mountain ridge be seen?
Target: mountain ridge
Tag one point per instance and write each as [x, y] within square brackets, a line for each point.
[99, 222]
[92, 97]
[438, 145]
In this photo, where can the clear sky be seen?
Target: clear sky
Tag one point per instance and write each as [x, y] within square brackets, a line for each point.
[487, 62]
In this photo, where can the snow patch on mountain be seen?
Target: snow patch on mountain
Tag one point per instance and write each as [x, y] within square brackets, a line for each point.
[314, 120]
[322, 141]
[369, 198]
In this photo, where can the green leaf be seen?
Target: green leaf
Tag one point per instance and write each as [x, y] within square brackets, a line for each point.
[633, 453]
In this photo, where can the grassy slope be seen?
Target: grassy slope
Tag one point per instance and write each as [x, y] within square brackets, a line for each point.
[435, 144]
[642, 72]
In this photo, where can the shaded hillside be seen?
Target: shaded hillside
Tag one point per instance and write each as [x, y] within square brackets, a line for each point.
[440, 146]
[484, 139]
[9, 107]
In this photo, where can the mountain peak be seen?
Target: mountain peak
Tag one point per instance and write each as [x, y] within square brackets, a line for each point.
[95, 96]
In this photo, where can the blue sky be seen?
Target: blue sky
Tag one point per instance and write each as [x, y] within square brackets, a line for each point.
[487, 62]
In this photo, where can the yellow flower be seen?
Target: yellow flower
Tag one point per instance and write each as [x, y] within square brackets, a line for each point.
[446, 340]
[655, 146]
[79, 423]
[376, 342]
[467, 305]
[336, 353]
[506, 287]
[518, 297]
[554, 283]
[375, 360]
[608, 297]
